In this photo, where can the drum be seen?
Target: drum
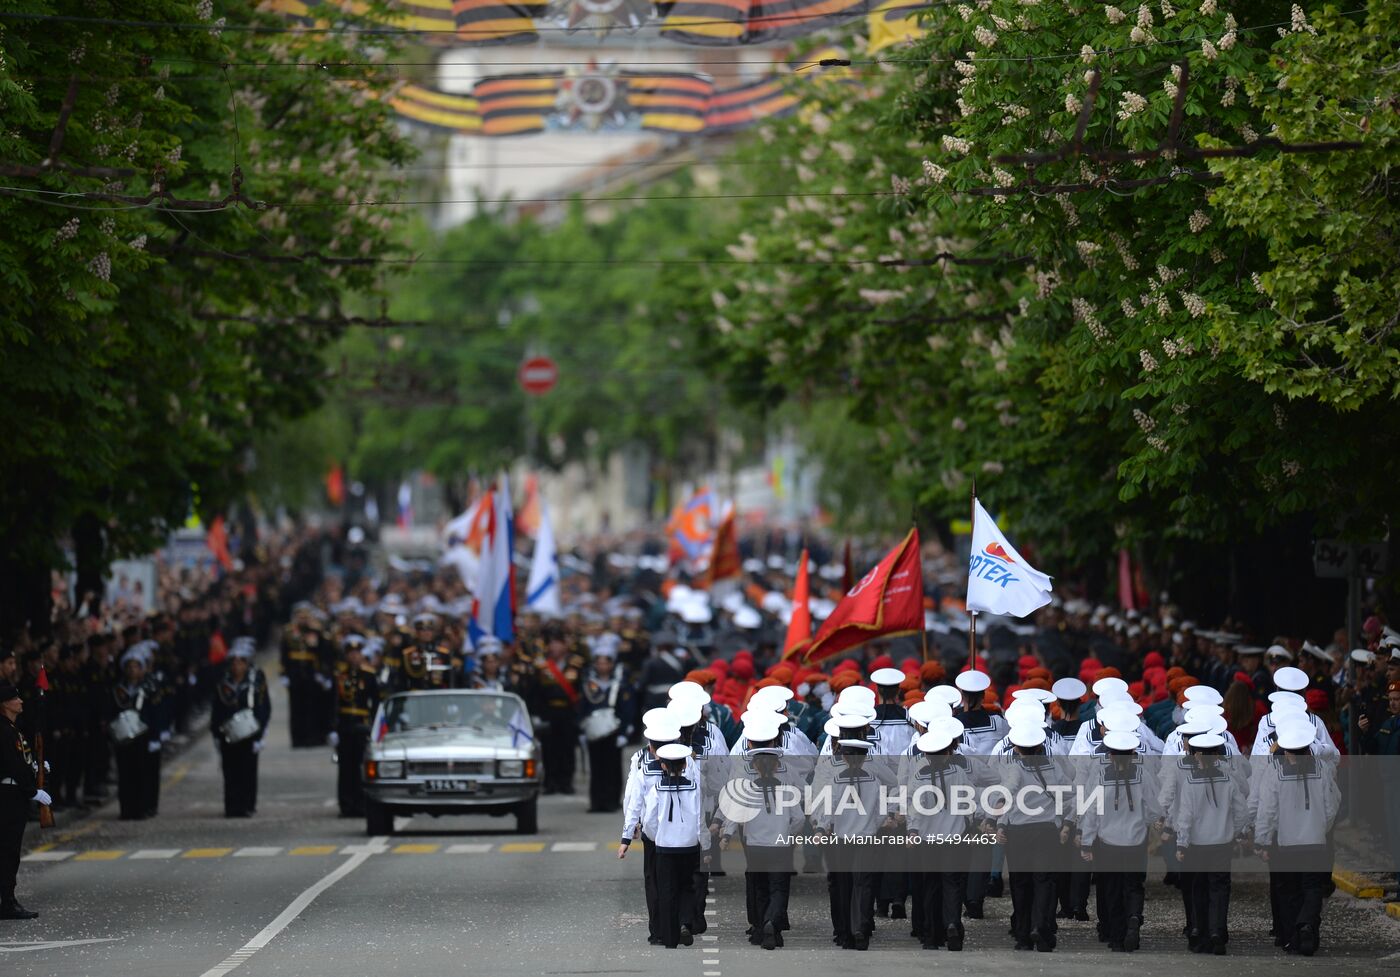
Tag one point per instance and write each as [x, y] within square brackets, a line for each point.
[127, 726]
[243, 725]
[601, 723]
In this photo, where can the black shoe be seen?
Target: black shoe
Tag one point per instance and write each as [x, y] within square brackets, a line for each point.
[755, 939]
[778, 938]
[1082, 915]
[1115, 947]
[1025, 945]
[994, 889]
[861, 942]
[700, 926]
[882, 909]
[654, 940]
[1217, 944]
[897, 911]
[770, 937]
[15, 911]
[929, 946]
[974, 910]
[1044, 942]
[954, 938]
[1306, 940]
[1064, 914]
[687, 939]
[1132, 938]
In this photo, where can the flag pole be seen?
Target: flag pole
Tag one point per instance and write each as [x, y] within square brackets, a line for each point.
[923, 625]
[972, 615]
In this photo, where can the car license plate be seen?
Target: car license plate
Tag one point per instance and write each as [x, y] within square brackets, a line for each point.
[454, 785]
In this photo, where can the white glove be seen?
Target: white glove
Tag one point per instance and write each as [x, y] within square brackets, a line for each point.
[257, 746]
[153, 746]
[194, 680]
[165, 736]
[47, 769]
[42, 796]
[621, 741]
[286, 682]
[333, 739]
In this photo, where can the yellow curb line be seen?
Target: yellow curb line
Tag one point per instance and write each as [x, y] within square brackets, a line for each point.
[1393, 909]
[206, 853]
[522, 846]
[314, 850]
[1357, 885]
[99, 856]
[416, 849]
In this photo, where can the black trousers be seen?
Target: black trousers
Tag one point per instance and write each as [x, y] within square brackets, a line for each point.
[350, 756]
[766, 899]
[1208, 888]
[304, 713]
[675, 892]
[649, 886]
[604, 774]
[557, 751]
[892, 888]
[1029, 855]
[133, 774]
[1302, 887]
[152, 782]
[240, 766]
[99, 764]
[1121, 884]
[1072, 888]
[939, 897]
[852, 893]
[13, 815]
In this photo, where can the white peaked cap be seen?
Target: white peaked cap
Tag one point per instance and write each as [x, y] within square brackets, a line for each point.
[689, 691]
[973, 681]
[887, 676]
[1069, 688]
[1027, 735]
[1291, 679]
[1109, 685]
[1203, 693]
[673, 751]
[950, 694]
[1122, 739]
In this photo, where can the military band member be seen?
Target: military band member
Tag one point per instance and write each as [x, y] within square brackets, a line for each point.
[238, 718]
[18, 772]
[555, 700]
[301, 671]
[429, 662]
[357, 697]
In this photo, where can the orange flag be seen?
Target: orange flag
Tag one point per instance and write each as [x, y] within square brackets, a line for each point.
[799, 632]
[527, 520]
[217, 541]
[725, 563]
[887, 601]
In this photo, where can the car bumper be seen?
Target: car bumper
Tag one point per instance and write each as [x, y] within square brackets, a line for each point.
[488, 794]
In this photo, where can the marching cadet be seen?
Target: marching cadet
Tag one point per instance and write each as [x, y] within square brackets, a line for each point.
[428, 661]
[554, 700]
[940, 893]
[1298, 800]
[893, 736]
[135, 718]
[18, 772]
[238, 718]
[301, 669]
[855, 814]
[1031, 838]
[642, 774]
[356, 698]
[1114, 836]
[1209, 816]
[682, 841]
[767, 851]
[607, 708]
[981, 731]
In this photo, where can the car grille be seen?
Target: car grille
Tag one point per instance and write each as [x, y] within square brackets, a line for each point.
[447, 768]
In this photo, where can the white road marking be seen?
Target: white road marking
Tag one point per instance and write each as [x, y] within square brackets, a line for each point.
[47, 856]
[574, 846]
[293, 910]
[257, 852]
[473, 849]
[155, 853]
[20, 946]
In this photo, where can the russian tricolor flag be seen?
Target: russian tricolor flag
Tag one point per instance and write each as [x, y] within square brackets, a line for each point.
[493, 612]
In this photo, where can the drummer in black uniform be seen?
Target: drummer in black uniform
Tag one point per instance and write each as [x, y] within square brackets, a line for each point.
[238, 719]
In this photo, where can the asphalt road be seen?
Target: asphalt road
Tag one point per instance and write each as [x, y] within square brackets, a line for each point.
[298, 891]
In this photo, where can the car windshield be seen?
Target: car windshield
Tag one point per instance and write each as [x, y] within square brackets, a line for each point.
[498, 719]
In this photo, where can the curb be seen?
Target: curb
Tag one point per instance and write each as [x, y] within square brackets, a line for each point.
[1392, 909]
[1362, 888]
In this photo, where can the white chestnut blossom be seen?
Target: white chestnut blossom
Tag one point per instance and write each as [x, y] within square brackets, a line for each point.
[1114, 15]
[1198, 221]
[1129, 105]
[985, 36]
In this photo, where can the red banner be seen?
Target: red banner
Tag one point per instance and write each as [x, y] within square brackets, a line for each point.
[725, 563]
[799, 632]
[887, 601]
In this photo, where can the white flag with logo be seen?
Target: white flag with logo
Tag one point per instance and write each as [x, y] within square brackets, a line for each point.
[999, 581]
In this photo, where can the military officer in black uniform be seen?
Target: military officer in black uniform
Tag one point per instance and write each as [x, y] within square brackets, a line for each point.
[357, 696]
[429, 662]
[136, 718]
[554, 700]
[18, 770]
[301, 667]
[238, 719]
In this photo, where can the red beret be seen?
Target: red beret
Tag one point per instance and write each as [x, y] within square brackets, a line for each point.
[883, 661]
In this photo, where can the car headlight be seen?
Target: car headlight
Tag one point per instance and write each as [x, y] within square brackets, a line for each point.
[510, 768]
[390, 769]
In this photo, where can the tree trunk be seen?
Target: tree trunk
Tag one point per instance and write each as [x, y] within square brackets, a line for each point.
[90, 555]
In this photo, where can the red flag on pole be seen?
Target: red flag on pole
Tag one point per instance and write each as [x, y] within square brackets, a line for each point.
[217, 541]
[887, 601]
[725, 563]
[799, 632]
[42, 682]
